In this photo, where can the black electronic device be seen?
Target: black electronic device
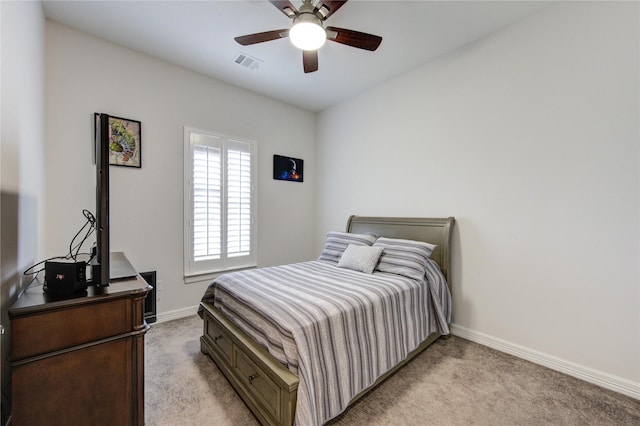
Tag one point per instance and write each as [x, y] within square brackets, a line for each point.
[65, 278]
[100, 264]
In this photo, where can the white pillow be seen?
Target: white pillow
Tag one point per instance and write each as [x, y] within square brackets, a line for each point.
[360, 258]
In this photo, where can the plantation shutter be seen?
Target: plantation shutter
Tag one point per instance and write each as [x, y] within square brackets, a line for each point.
[207, 198]
[219, 179]
[238, 199]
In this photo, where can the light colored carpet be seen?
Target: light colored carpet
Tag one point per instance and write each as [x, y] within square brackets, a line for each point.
[454, 382]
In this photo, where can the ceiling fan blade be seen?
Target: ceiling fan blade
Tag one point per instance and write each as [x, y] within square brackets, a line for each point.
[310, 60]
[326, 8]
[285, 7]
[261, 37]
[354, 38]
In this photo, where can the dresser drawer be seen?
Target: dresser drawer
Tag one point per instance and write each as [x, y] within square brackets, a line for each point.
[40, 333]
[219, 339]
[69, 380]
[259, 383]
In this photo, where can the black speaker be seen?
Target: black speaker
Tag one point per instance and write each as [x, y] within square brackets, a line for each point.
[150, 300]
[64, 278]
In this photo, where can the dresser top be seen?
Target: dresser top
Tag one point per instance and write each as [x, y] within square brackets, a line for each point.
[34, 300]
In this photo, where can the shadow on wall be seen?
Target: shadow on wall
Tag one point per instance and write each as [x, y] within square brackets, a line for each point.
[18, 250]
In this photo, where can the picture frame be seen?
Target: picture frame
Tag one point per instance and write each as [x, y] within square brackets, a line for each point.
[125, 141]
[288, 168]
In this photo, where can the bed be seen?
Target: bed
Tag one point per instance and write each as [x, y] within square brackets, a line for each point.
[301, 342]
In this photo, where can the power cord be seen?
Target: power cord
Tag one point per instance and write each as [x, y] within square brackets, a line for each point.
[74, 250]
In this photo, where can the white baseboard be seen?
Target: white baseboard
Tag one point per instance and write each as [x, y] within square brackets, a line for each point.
[177, 314]
[605, 380]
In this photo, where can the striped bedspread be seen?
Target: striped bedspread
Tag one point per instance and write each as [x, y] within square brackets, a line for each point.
[337, 329]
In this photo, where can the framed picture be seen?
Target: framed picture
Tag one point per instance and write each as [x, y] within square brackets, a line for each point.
[287, 168]
[125, 141]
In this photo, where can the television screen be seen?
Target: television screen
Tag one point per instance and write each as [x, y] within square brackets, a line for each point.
[100, 270]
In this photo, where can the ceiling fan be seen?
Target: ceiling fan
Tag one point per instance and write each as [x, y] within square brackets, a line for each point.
[308, 33]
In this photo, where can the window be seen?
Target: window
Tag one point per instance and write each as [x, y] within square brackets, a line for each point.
[219, 203]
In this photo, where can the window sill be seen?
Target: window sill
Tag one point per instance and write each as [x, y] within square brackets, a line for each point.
[199, 277]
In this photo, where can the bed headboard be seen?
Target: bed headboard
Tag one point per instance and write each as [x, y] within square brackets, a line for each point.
[431, 230]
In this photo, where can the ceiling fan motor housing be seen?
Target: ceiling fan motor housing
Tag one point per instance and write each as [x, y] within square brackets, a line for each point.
[307, 32]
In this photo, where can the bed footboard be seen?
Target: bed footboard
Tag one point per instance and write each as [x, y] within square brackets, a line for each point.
[265, 385]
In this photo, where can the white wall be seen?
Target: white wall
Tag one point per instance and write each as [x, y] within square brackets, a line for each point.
[530, 139]
[86, 75]
[22, 113]
[21, 153]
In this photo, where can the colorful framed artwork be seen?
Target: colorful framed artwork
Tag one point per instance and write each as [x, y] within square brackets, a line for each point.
[288, 168]
[125, 141]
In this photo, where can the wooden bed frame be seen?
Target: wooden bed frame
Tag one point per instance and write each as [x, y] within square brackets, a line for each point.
[267, 387]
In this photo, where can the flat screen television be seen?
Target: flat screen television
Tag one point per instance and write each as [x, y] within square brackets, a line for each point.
[100, 264]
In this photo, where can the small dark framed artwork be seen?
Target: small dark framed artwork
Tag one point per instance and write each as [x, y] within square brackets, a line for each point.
[287, 168]
[125, 141]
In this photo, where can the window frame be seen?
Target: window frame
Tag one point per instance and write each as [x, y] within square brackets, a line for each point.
[197, 270]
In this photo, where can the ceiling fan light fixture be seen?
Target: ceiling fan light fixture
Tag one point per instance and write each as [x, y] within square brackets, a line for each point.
[307, 32]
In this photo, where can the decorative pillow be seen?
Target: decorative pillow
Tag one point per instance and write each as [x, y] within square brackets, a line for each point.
[337, 243]
[360, 258]
[404, 257]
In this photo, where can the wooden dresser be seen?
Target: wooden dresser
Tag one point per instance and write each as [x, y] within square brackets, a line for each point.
[79, 360]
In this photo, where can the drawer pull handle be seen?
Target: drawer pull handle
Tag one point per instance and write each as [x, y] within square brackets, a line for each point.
[251, 378]
[216, 338]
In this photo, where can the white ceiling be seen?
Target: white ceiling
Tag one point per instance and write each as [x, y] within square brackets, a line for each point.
[198, 35]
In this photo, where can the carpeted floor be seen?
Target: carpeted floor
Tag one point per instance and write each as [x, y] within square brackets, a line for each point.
[454, 382]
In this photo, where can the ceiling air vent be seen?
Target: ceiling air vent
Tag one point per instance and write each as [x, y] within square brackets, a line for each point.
[248, 61]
